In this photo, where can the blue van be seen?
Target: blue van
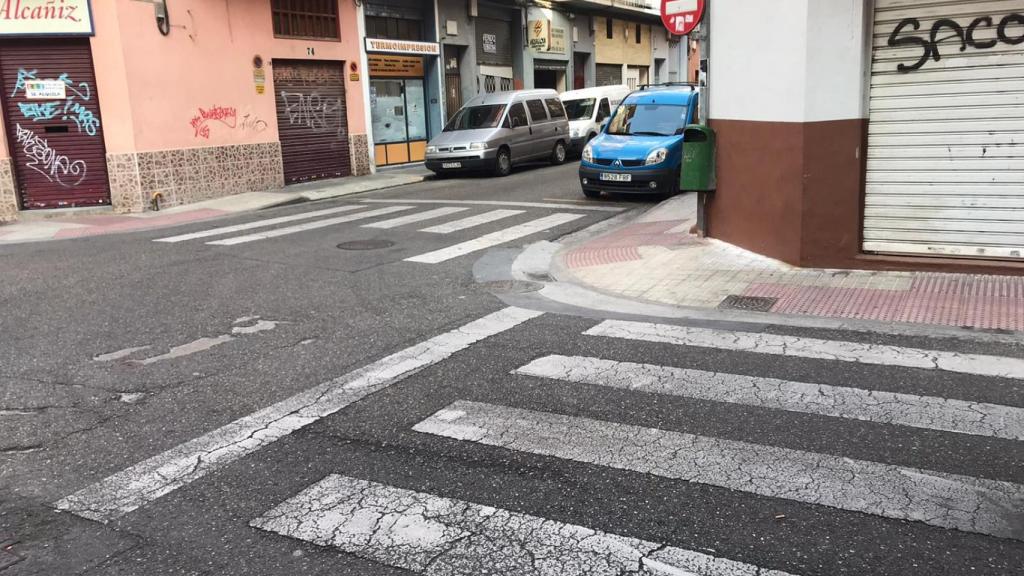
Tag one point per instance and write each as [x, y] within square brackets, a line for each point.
[640, 149]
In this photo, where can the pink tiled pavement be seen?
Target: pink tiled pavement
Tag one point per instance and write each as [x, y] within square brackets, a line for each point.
[991, 302]
[624, 245]
[110, 224]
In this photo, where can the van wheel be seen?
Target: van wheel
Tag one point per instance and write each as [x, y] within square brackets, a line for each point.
[558, 154]
[503, 163]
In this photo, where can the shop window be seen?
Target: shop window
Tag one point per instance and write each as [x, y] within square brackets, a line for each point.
[317, 19]
[394, 28]
[638, 35]
[537, 113]
[609, 28]
[555, 108]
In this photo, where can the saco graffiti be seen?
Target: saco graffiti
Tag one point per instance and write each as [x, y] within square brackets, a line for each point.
[317, 113]
[47, 161]
[966, 35]
[226, 115]
[252, 123]
[73, 108]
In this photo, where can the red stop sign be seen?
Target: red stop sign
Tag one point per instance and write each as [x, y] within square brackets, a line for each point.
[681, 16]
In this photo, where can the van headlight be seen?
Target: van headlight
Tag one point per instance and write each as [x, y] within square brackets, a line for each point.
[588, 153]
[431, 149]
[656, 156]
[478, 146]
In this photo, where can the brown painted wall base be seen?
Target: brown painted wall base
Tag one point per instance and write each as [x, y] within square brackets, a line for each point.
[794, 191]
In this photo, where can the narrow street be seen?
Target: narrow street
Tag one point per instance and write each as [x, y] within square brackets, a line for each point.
[337, 388]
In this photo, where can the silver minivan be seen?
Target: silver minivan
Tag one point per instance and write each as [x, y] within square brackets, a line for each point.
[494, 131]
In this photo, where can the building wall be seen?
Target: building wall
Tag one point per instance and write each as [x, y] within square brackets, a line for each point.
[557, 20]
[790, 137]
[152, 87]
[622, 49]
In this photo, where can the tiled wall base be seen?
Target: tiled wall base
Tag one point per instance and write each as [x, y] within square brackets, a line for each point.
[8, 192]
[360, 154]
[188, 175]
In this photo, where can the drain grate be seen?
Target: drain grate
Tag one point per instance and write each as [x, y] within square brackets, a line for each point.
[374, 244]
[749, 303]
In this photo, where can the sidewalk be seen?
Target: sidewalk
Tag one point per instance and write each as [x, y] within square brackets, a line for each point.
[37, 225]
[656, 259]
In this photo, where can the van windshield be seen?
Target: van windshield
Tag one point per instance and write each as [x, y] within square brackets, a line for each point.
[473, 117]
[648, 120]
[579, 109]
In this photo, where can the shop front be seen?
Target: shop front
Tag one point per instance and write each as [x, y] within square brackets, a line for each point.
[548, 49]
[52, 117]
[399, 113]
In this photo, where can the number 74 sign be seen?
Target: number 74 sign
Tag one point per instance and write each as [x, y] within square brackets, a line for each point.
[681, 16]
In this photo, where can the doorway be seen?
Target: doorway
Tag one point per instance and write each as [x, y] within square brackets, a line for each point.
[399, 113]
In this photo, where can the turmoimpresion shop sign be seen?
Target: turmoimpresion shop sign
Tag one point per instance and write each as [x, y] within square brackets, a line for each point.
[45, 18]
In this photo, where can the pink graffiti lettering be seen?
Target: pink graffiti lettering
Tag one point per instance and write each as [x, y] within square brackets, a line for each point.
[226, 115]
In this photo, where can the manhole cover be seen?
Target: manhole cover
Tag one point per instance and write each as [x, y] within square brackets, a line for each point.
[366, 244]
[511, 286]
[751, 303]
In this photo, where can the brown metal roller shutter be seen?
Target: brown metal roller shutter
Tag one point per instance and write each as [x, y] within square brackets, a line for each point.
[311, 118]
[56, 144]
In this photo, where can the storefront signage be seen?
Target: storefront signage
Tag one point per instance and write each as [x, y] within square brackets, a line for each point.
[556, 43]
[45, 90]
[259, 79]
[387, 66]
[539, 37]
[45, 17]
[546, 38]
[401, 46]
[490, 43]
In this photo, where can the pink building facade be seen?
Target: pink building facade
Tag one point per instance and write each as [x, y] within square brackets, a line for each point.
[137, 105]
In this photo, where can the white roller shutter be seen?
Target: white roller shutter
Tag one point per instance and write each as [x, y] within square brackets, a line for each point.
[945, 159]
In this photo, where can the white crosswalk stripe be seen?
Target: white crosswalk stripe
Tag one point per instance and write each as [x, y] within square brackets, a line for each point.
[513, 204]
[495, 238]
[762, 343]
[947, 500]
[927, 412]
[412, 218]
[429, 534]
[277, 232]
[129, 489]
[257, 224]
[471, 221]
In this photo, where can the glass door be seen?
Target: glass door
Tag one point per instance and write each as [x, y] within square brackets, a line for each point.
[387, 111]
[416, 119]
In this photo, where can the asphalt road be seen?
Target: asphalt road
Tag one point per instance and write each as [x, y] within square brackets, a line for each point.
[349, 400]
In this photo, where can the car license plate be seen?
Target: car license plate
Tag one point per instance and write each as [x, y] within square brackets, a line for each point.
[616, 177]
[451, 165]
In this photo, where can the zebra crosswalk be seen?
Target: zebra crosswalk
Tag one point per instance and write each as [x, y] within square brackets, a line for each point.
[457, 216]
[427, 532]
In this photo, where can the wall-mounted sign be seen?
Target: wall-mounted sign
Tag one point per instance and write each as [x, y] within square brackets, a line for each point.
[538, 34]
[556, 40]
[402, 47]
[490, 43]
[259, 79]
[45, 90]
[45, 17]
[388, 66]
[353, 77]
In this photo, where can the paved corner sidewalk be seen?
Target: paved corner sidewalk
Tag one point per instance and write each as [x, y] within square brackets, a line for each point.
[656, 259]
[38, 225]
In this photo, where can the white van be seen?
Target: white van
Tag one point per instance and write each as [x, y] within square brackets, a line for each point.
[588, 109]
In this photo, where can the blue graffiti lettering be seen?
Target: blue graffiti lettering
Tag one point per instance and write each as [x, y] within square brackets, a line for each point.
[39, 110]
[84, 118]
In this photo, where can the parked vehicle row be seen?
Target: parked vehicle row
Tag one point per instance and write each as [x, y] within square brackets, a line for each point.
[629, 142]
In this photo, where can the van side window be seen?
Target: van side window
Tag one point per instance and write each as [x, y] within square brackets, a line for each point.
[537, 113]
[517, 115]
[603, 110]
[555, 108]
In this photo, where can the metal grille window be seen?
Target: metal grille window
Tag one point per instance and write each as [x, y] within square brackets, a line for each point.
[506, 84]
[489, 84]
[306, 19]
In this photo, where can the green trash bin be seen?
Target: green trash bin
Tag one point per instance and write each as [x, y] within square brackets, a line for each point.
[698, 166]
